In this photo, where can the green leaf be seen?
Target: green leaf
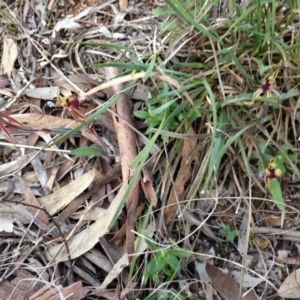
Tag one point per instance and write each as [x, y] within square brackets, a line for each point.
[224, 231]
[180, 253]
[163, 12]
[186, 16]
[275, 191]
[151, 267]
[145, 278]
[87, 151]
[278, 162]
[173, 262]
[150, 68]
[141, 114]
[232, 235]
[162, 108]
[151, 244]
[229, 233]
[168, 272]
[155, 278]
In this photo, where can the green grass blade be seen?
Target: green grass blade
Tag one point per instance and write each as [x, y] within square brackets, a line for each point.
[150, 68]
[87, 151]
[185, 15]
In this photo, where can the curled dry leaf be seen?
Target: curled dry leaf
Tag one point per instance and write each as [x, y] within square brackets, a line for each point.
[290, 288]
[147, 187]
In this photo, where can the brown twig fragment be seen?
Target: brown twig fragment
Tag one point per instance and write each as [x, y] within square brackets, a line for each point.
[127, 141]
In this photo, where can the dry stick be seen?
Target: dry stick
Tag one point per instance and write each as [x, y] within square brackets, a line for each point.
[128, 142]
[290, 234]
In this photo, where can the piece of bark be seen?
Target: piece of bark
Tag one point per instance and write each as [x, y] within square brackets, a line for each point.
[127, 141]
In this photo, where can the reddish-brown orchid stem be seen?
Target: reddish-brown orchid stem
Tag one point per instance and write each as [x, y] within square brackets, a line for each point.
[127, 141]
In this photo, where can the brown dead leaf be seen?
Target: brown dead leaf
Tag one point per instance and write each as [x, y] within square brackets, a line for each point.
[112, 295]
[98, 183]
[35, 120]
[12, 166]
[74, 291]
[115, 272]
[86, 239]
[290, 288]
[20, 287]
[39, 121]
[30, 199]
[189, 152]
[147, 187]
[99, 259]
[271, 219]
[61, 198]
[124, 262]
[9, 55]
[226, 286]
[291, 260]
[64, 169]
[8, 214]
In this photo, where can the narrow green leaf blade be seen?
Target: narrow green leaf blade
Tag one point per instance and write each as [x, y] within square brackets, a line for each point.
[87, 151]
[180, 253]
[161, 108]
[150, 68]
